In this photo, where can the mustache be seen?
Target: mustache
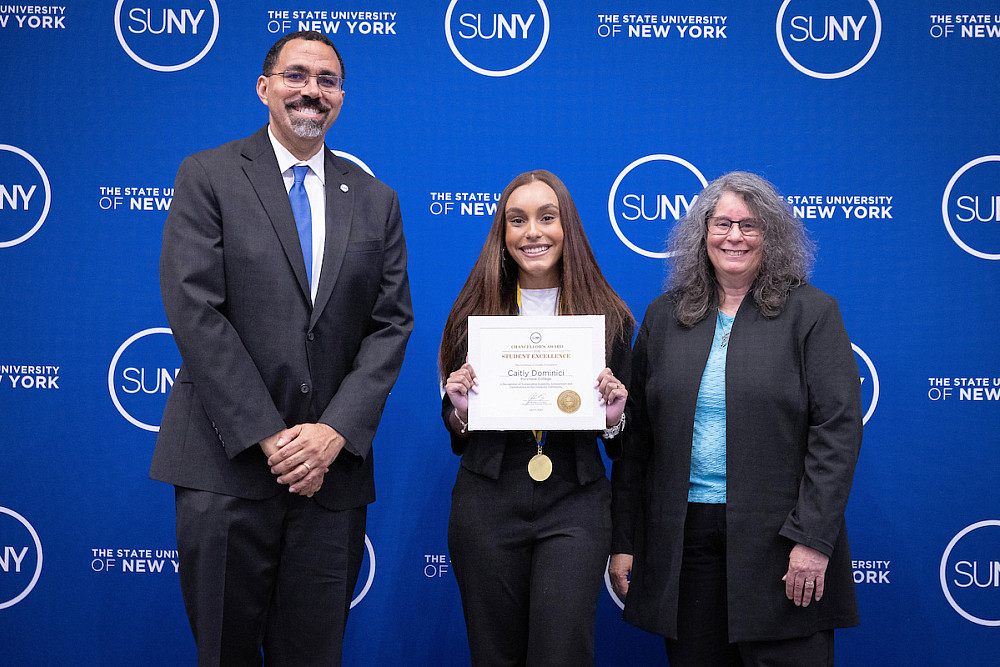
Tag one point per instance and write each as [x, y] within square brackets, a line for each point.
[308, 103]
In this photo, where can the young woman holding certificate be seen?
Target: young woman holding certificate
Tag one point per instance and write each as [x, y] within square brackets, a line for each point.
[530, 526]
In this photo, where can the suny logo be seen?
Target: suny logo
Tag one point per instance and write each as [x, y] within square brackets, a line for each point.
[611, 591]
[970, 573]
[869, 382]
[353, 158]
[141, 374]
[367, 563]
[25, 196]
[495, 38]
[971, 207]
[648, 197]
[828, 40]
[20, 557]
[166, 35]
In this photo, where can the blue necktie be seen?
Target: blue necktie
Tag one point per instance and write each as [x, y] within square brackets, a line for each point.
[303, 216]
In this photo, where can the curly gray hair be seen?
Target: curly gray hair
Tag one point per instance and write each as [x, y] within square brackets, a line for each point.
[787, 255]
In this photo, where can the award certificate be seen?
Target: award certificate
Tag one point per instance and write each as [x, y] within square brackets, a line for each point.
[536, 373]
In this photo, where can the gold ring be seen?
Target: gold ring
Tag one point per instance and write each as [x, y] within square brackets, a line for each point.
[308, 467]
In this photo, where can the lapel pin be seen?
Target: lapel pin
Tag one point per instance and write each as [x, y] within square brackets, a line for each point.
[343, 187]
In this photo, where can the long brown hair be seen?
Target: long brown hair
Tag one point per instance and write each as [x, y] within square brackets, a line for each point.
[491, 286]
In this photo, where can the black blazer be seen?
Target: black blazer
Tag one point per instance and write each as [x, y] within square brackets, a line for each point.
[257, 355]
[482, 452]
[793, 433]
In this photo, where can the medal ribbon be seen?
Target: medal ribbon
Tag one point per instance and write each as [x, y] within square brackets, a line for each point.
[539, 435]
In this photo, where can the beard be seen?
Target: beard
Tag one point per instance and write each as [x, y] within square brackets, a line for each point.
[307, 128]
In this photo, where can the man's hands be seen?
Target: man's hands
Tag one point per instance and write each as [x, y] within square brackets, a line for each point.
[301, 455]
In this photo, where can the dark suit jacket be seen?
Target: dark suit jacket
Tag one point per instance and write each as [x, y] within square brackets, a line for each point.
[482, 452]
[257, 355]
[793, 433]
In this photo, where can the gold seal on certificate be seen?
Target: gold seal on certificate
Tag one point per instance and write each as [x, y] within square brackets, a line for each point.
[568, 401]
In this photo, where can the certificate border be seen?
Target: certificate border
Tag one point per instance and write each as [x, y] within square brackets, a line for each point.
[561, 422]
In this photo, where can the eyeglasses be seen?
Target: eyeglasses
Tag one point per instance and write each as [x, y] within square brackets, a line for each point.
[297, 79]
[721, 226]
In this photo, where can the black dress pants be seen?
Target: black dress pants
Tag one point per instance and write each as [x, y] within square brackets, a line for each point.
[529, 558]
[703, 614]
[276, 575]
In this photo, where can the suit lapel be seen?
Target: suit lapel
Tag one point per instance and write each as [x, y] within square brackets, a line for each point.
[339, 209]
[262, 170]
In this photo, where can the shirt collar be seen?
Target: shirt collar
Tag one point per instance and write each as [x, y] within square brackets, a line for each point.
[286, 160]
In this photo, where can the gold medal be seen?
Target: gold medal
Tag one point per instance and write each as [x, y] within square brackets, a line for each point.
[540, 467]
[568, 401]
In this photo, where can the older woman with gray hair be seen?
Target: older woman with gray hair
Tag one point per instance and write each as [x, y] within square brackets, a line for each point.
[745, 427]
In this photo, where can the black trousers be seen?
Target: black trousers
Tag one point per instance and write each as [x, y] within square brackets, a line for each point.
[702, 610]
[529, 558]
[275, 574]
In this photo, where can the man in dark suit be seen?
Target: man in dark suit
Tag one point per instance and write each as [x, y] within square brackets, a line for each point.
[283, 275]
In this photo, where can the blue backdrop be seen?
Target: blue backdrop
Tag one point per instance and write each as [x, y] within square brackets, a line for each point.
[877, 119]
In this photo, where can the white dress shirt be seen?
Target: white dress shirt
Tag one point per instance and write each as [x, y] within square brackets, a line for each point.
[315, 189]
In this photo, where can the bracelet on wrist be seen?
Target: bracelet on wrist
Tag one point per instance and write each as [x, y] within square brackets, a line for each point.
[465, 425]
[614, 430]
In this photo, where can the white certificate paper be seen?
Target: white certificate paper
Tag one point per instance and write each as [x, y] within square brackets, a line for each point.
[536, 372]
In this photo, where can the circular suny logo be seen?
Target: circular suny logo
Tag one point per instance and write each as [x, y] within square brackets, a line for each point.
[971, 207]
[20, 557]
[365, 582]
[167, 35]
[25, 196]
[353, 158]
[970, 573]
[496, 38]
[141, 374]
[869, 382]
[828, 40]
[648, 197]
[611, 591]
